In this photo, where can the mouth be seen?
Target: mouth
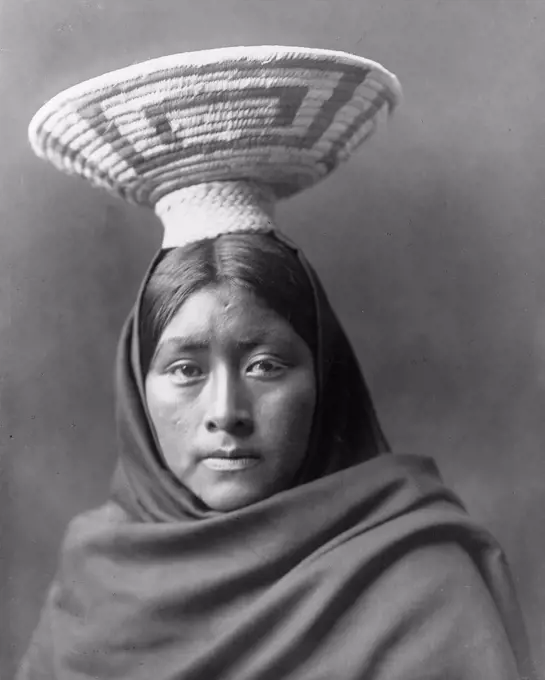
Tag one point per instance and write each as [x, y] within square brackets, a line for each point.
[230, 460]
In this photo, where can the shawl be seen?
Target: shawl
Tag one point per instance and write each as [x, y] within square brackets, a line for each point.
[368, 567]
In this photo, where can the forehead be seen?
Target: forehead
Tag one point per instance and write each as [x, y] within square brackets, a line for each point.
[226, 312]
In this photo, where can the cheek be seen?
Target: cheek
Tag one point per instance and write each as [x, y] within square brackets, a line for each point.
[172, 421]
[285, 417]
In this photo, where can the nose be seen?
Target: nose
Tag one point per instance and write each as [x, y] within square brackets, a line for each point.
[228, 408]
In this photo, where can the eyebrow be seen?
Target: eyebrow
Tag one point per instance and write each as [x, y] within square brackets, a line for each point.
[183, 343]
[197, 343]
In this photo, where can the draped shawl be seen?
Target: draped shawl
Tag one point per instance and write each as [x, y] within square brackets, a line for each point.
[367, 568]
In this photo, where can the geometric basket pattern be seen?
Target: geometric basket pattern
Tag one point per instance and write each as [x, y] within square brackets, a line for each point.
[283, 117]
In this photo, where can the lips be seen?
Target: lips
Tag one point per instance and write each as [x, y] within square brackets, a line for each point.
[230, 460]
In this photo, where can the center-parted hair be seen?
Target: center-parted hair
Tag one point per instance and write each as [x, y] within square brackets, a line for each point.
[345, 423]
[258, 263]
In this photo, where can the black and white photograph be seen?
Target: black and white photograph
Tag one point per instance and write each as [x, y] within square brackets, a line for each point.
[272, 358]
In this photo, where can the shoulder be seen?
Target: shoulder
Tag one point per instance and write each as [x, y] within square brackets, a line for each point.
[91, 529]
[440, 574]
[110, 515]
[443, 611]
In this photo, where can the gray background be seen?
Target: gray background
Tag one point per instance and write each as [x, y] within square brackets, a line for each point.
[430, 242]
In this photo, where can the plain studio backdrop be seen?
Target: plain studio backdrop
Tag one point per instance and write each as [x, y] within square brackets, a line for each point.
[431, 243]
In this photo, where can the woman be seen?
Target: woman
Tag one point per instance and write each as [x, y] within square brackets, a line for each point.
[258, 527]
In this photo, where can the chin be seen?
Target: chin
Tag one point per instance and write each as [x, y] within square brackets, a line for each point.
[226, 493]
[227, 500]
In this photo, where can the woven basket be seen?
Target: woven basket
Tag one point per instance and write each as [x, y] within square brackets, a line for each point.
[212, 139]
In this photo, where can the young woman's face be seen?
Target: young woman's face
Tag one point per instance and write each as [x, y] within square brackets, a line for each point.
[231, 393]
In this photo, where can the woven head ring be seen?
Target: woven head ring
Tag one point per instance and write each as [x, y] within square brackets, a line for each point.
[212, 139]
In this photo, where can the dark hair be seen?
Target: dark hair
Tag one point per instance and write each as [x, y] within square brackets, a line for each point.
[259, 263]
[346, 429]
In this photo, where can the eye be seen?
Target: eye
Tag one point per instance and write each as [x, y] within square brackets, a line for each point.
[186, 372]
[266, 368]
